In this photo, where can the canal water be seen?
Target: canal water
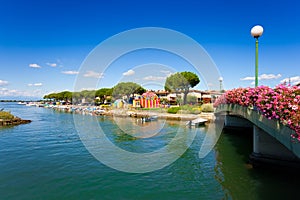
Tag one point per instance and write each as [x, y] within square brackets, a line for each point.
[46, 159]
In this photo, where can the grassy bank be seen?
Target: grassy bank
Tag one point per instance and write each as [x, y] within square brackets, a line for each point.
[7, 119]
[4, 115]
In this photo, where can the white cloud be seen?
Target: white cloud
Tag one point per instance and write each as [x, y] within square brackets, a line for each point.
[165, 71]
[87, 88]
[154, 78]
[129, 73]
[269, 76]
[52, 64]
[35, 84]
[2, 82]
[4, 92]
[34, 65]
[248, 78]
[262, 77]
[93, 74]
[293, 80]
[70, 72]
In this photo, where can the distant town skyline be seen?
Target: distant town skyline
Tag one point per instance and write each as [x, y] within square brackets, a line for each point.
[44, 43]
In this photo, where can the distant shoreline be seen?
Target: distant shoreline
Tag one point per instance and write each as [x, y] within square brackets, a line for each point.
[123, 112]
[15, 100]
[2, 100]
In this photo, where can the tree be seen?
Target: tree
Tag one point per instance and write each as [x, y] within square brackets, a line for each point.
[76, 97]
[127, 89]
[103, 93]
[182, 82]
[192, 99]
[88, 95]
[66, 95]
[47, 96]
[51, 96]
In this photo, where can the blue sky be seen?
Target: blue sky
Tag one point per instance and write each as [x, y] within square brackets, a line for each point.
[43, 43]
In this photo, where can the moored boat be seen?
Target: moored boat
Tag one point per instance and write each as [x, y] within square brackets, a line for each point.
[150, 118]
[196, 122]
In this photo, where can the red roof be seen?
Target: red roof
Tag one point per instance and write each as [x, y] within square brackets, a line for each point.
[149, 95]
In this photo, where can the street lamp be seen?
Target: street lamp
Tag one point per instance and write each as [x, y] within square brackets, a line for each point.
[256, 32]
[221, 80]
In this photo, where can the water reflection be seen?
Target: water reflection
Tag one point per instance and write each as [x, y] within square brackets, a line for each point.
[213, 132]
[232, 152]
[137, 128]
[240, 180]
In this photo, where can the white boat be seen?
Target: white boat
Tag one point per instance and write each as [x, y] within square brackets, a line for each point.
[196, 122]
[30, 104]
[22, 103]
[149, 119]
[40, 105]
[99, 111]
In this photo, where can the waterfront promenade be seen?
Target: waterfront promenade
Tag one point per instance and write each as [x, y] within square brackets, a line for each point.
[97, 111]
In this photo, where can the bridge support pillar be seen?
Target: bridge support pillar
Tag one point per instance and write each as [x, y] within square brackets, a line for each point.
[268, 150]
[235, 121]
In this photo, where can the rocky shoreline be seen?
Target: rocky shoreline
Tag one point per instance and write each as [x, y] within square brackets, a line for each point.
[13, 121]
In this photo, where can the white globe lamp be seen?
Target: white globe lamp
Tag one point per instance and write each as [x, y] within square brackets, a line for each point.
[257, 31]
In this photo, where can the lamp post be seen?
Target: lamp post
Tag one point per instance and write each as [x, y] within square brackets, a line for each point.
[256, 32]
[221, 80]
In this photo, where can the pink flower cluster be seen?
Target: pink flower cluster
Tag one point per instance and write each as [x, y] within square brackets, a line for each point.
[281, 103]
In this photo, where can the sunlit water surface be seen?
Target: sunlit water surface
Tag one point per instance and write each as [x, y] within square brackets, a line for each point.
[47, 160]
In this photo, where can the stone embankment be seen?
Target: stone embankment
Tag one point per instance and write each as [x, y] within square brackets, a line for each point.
[96, 111]
[182, 117]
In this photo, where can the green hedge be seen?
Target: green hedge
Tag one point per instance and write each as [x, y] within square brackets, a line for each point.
[208, 107]
[173, 110]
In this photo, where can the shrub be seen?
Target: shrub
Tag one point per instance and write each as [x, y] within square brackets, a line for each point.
[207, 107]
[6, 115]
[173, 110]
[196, 110]
[184, 111]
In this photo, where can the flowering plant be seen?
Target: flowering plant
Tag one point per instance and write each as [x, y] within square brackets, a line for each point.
[281, 103]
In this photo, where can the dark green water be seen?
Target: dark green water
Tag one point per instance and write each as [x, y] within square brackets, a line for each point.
[47, 160]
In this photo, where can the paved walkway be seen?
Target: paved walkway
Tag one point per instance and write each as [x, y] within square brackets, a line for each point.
[184, 117]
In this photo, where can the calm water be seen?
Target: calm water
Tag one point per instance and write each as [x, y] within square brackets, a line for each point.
[47, 160]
